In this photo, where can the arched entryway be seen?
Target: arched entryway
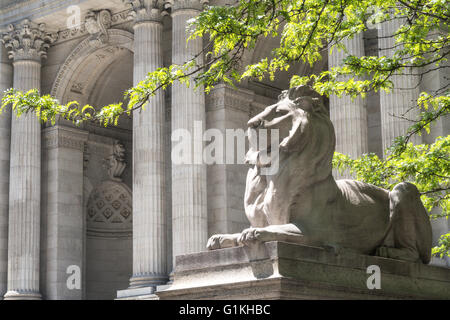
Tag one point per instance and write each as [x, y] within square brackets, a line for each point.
[99, 75]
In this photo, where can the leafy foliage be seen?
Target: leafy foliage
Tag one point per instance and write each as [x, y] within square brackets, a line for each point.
[443, 246]
[427, 166]
[306, 29]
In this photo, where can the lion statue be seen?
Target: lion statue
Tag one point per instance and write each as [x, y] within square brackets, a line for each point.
[302, 203]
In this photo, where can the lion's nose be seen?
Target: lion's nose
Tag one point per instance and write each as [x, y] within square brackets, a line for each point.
[254, 123]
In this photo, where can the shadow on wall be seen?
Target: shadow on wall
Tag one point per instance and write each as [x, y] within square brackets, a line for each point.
[108, 240]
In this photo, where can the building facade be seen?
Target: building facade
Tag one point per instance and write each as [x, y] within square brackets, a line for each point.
[107, 202]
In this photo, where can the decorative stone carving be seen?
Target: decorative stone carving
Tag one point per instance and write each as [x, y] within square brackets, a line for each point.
[67, 73]
[68, 34]
[146, 10]
[224, 96]
[72, 33]
[77, 88]
[302, 203]
[97, 24]
[109, 210]
[115, 163]
[28, 41]
[86, 157]
[185, 4]
[64, 137]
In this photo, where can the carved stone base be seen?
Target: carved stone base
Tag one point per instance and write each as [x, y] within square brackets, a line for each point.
[142, 287]
[18, 295]
[277, 270]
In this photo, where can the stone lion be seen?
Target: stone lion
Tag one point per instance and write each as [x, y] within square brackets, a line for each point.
[302, 203]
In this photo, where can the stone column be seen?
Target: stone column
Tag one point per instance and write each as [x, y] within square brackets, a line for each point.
[62, 210]
[349, 116]
[149, 227]
[228, 110]
[402, 99]
[27, 44]
[189, 211]
[6, 72]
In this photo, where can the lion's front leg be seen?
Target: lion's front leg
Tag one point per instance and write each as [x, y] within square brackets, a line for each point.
[285, 233]
[220, 241]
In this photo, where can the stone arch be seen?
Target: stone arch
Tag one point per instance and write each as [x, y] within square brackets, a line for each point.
[77, 76]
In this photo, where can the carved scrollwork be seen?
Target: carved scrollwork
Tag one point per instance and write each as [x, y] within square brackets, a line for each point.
[175, 5]
[97, 24]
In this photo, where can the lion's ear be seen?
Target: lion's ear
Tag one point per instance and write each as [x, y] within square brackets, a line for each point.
[282, 95]
[318, 105]
[305, 104]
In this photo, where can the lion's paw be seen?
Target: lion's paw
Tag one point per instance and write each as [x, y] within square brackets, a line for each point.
[213, 242]
[251, 235]
[382, 252]
[220, 241]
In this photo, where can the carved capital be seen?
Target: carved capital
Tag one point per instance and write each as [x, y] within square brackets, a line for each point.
[28, 41]
[97, 24]
[177, 5]
[225, 97]
[146, 10]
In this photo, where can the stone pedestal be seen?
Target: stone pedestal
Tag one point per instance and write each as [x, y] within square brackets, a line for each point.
[277, 270]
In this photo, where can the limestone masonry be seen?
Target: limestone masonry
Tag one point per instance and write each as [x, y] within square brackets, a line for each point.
[110, 202]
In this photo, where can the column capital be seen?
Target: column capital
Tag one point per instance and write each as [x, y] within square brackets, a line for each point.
[64, 137]
[179, 5]
[147, 10]
[27, 41]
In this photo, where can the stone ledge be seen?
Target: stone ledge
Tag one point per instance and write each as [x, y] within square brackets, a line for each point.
[277, 270]
[144, 293]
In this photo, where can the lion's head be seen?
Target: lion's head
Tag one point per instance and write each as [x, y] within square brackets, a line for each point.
[303, 125]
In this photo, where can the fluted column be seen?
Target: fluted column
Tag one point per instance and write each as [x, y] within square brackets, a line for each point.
[401, 100]
[349, 116]
[189, 207]
[27, 44]
[6, 72]
[149, 226]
